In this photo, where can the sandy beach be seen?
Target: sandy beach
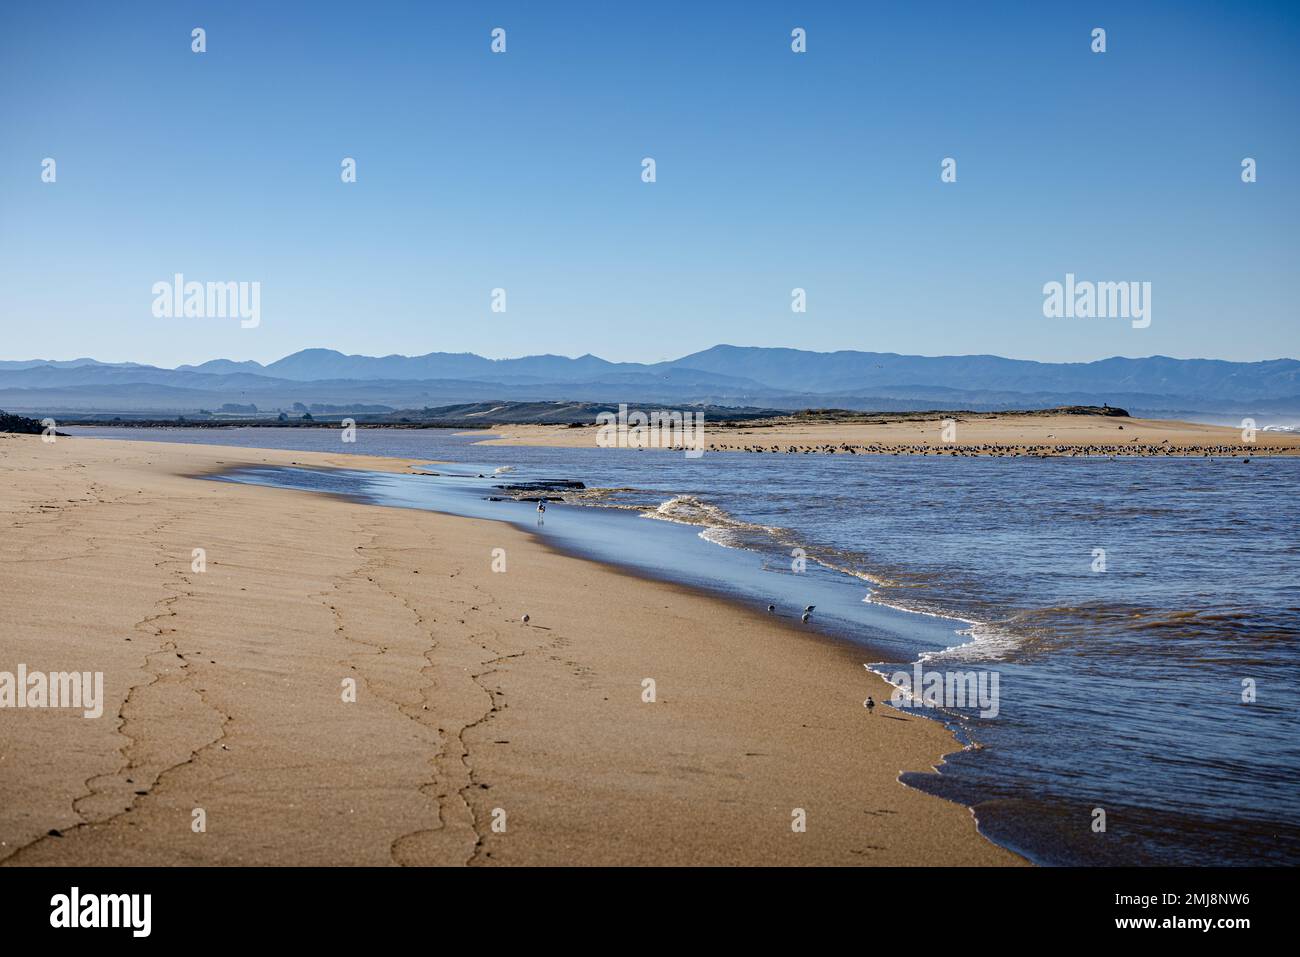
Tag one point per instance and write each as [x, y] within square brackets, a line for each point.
[474, 738]
[971, 434]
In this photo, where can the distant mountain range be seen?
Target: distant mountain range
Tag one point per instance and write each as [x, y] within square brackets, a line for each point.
[721, 376]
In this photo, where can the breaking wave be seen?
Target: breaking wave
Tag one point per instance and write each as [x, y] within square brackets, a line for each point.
[717, 524]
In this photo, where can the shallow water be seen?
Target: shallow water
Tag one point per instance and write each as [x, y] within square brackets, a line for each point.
[1119, 689]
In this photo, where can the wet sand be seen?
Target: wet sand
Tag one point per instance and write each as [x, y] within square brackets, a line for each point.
[225, 690]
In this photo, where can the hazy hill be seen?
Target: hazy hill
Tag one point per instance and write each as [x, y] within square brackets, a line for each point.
[724, 375]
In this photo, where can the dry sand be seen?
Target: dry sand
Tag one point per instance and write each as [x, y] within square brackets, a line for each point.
[973, 433]
[224, 691]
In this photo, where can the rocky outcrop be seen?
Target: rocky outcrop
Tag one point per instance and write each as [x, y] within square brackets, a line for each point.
[20, 424]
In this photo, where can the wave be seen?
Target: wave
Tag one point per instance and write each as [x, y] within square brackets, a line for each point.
[988, 642]
[689, 510]
[723, 528]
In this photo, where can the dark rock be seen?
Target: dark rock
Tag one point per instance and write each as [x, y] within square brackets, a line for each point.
[21, 425]
[548, 485]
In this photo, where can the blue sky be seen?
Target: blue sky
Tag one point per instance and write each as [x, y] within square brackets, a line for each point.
[775, 171]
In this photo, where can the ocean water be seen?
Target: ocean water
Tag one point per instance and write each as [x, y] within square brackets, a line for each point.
[1142, 616]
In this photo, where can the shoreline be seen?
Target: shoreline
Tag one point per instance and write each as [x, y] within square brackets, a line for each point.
[960, 739]
[968, 435]
[462, 708]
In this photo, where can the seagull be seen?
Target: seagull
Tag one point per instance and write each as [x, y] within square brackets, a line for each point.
[525, 619]
[808, 610]
[771, 608]
[805, 616]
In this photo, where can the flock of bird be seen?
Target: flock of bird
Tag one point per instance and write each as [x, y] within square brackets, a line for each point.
[1134, 448]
